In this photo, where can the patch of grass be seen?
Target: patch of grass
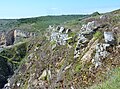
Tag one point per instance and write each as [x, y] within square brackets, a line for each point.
[78, 67]
[26, 85]
[112, 83]
[98, 35]
[53, 42]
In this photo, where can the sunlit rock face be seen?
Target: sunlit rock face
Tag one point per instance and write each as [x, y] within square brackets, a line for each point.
[109, 37]
[10, 38]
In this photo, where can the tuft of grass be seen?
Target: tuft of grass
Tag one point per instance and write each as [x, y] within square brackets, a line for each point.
[77, 68]
[98, 35]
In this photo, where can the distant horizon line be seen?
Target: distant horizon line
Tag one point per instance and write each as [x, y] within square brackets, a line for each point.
[25, 17]
[40, 16]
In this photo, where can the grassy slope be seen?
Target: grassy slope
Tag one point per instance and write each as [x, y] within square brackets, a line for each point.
[41, 23]
[38, 23]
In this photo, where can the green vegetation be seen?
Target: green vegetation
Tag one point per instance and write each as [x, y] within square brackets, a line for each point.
[95, 14]
[53, 42]
[78, 67]
[15, 54]
[37, 24]
[7, 24]
[98, 35]
[36, 55]
[112, 83]
[41, 23]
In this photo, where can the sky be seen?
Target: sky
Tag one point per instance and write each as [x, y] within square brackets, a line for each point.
[33, 8]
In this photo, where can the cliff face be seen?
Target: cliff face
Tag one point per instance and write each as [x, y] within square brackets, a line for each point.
[8, 38]
[10, 58]
[65, 58]
[5, 71]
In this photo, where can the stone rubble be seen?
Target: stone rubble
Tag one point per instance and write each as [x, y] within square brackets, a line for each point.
[59, 36]
[100, 54]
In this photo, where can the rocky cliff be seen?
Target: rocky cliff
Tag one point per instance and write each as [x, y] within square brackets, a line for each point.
[68, 58]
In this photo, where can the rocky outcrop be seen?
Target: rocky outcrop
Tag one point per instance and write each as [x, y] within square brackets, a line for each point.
[13, 36]
[86, 34]
[10, 38]
[59, 36]
[24, 34]
[87, 56]
[100, 54]
[90, 27]
[81, 43]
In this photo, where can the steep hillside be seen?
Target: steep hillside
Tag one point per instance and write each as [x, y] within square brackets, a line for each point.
[78, 54]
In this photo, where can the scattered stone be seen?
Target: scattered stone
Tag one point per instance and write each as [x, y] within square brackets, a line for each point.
[36, 48]
[103, 17]
[44, 74]
[68, 30]
[62, 29]
[54, 46]
[30, 56]
[66, 68]
[72, 87]
[7, 86]
[57, 28]
[18, 84]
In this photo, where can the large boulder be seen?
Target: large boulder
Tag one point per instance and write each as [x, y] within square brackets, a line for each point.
[109, 38]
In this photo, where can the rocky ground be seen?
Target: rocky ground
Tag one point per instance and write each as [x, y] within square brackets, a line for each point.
[66, 58]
